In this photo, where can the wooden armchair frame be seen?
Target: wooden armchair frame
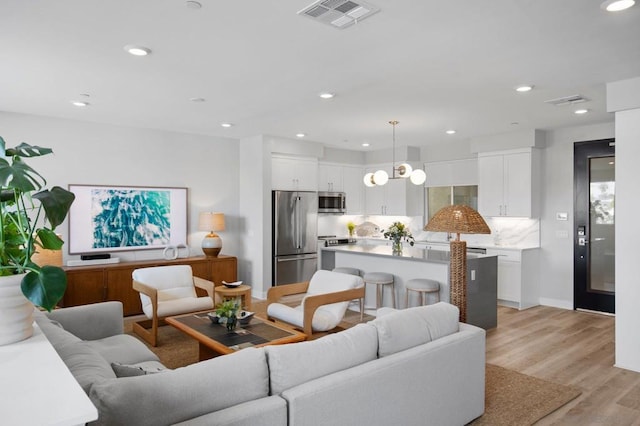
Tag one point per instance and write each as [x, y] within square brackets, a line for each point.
[147, 329]
[312, 302]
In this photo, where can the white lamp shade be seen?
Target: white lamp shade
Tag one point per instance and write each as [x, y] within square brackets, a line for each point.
[418, 177]
[380, 177]
[210, 221]
[368, 180]
[404, 170]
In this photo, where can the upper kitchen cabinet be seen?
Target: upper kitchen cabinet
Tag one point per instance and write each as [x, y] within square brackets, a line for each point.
[294, 173]
[452, 173]
[398, 197]
[343, 178]
[508, 183]
[330, 178]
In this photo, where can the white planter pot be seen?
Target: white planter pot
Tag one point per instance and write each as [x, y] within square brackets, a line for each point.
[16, 311]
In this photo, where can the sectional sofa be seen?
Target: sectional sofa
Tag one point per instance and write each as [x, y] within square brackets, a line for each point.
[417, 366]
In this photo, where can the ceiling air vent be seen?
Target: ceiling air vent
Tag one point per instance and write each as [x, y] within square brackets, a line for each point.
[567, 100]
[338, 13]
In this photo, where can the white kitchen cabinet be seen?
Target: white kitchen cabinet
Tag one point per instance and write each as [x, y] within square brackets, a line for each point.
[508, 183]
[452, 173]
[518, 277]
[398, 197]
[294, 174]
[330, 178]
[353, 187]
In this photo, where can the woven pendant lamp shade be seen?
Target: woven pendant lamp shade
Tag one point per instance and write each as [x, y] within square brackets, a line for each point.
[458, 219]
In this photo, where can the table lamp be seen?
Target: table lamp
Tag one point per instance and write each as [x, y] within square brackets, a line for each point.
[212, 243]
[458, 219]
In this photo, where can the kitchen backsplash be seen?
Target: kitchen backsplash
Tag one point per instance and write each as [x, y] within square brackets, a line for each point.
[507, 232]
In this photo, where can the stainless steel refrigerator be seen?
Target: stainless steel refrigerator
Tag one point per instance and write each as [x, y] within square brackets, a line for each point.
[295, 236]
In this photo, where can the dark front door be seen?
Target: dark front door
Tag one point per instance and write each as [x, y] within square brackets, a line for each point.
[594, 220]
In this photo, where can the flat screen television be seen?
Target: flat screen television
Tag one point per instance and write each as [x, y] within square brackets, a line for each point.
[124, 218]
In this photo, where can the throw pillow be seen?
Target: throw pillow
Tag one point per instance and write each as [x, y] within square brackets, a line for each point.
[125, 370]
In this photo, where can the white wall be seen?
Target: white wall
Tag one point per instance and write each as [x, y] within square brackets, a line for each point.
[89, 153]
[556, 253]
[624, 98]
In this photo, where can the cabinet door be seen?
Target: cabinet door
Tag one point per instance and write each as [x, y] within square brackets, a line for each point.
[491, 185]
[509, 280]
[517, 192]
[330, 178]
[120, 287]
[306, 175]
[353, 187]
[395, 197]
[224, 269]
[84, 287]
[282, 174]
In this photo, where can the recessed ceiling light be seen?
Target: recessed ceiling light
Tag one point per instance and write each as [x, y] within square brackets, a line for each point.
[137, 50]
[524, 88]
[194, 5]
[80, 104]
[300, 135]
[365, 144]
[197, 99]
[617, 5]
[451, 132]
[226, 125]
[326, 95]
[581, 111]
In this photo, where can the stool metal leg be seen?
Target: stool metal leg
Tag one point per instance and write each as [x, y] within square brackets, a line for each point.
[421, 298]
[379, 295]
[406, 298]
[393, 294]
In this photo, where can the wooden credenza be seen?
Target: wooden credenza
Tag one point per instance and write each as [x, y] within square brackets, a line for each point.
[100, 283]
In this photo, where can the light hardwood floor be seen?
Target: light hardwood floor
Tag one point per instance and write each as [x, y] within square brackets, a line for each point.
[571, 348]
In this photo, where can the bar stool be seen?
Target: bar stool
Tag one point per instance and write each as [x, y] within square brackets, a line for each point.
[421, 286]
[356, 272]
[381, 279]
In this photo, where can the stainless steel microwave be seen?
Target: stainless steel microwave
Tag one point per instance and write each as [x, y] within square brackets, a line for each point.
[332, 202]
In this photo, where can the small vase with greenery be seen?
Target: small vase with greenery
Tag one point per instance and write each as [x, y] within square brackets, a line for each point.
[351, 227]
[228, 313]
[398, 232]
[29, 215]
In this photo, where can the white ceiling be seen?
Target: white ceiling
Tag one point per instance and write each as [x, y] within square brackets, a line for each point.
[431, 65]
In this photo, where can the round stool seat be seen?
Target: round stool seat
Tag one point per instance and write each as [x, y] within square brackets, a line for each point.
[381, 280]
[422, 286]
[378, 278]
[347, 270]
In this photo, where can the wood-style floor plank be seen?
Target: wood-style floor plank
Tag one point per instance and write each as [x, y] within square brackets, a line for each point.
[571, 348]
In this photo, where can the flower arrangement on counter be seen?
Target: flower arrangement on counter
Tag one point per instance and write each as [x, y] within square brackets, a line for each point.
[398, 232]
[351, 227]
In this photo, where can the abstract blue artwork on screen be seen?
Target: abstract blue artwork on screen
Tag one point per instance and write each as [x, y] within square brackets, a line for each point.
[130, 217]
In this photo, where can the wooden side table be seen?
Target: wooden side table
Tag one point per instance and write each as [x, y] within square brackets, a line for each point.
[242, 291]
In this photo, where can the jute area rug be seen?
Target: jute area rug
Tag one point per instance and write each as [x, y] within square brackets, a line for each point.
[511, 398]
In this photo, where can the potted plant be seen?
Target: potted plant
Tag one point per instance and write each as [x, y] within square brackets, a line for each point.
[396, 233]
[351, 227]
[29, 214]
[228, 313]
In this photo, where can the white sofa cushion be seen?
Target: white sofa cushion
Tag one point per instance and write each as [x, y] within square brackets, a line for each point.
[172, 282]
[179, 306]
[291, 365]
[323, 319]
[426, 323]
[183, 393]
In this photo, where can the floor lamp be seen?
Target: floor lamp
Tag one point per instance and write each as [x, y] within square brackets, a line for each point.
[458, 219]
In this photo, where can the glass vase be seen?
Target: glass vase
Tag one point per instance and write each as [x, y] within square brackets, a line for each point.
[396, 247]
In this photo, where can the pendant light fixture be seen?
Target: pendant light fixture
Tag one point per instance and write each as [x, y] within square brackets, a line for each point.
[403, 171]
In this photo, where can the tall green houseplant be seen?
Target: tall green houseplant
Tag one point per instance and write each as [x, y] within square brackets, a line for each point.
[23, 201]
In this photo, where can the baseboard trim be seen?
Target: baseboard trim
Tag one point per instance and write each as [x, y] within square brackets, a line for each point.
[556, 303]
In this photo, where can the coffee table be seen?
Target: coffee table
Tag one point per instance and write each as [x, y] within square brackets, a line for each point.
[215, 339]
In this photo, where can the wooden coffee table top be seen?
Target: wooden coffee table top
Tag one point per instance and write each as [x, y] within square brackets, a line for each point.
[259, 332]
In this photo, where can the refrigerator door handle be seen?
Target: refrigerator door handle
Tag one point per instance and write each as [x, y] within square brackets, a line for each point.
[296, 258]
[298, 230]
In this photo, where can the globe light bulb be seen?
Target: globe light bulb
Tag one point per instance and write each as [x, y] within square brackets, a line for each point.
[418, 177]
[368, 180]
[380, 177]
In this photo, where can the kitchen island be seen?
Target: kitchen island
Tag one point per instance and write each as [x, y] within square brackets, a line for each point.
[421, 263]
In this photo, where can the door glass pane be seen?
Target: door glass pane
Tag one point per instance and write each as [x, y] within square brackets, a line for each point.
[437, 198]
[602, 224]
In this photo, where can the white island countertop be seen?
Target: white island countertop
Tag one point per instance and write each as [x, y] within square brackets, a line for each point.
[408, 252]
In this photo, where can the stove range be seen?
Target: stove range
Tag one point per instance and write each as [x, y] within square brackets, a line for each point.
[332, 240]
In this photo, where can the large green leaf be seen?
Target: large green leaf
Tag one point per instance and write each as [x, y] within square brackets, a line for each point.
[49, 240]
[46, 287]
[56, 204]
[26, 150]
[19, 175]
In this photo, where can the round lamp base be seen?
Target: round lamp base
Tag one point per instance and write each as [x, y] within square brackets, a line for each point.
[211, 245]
